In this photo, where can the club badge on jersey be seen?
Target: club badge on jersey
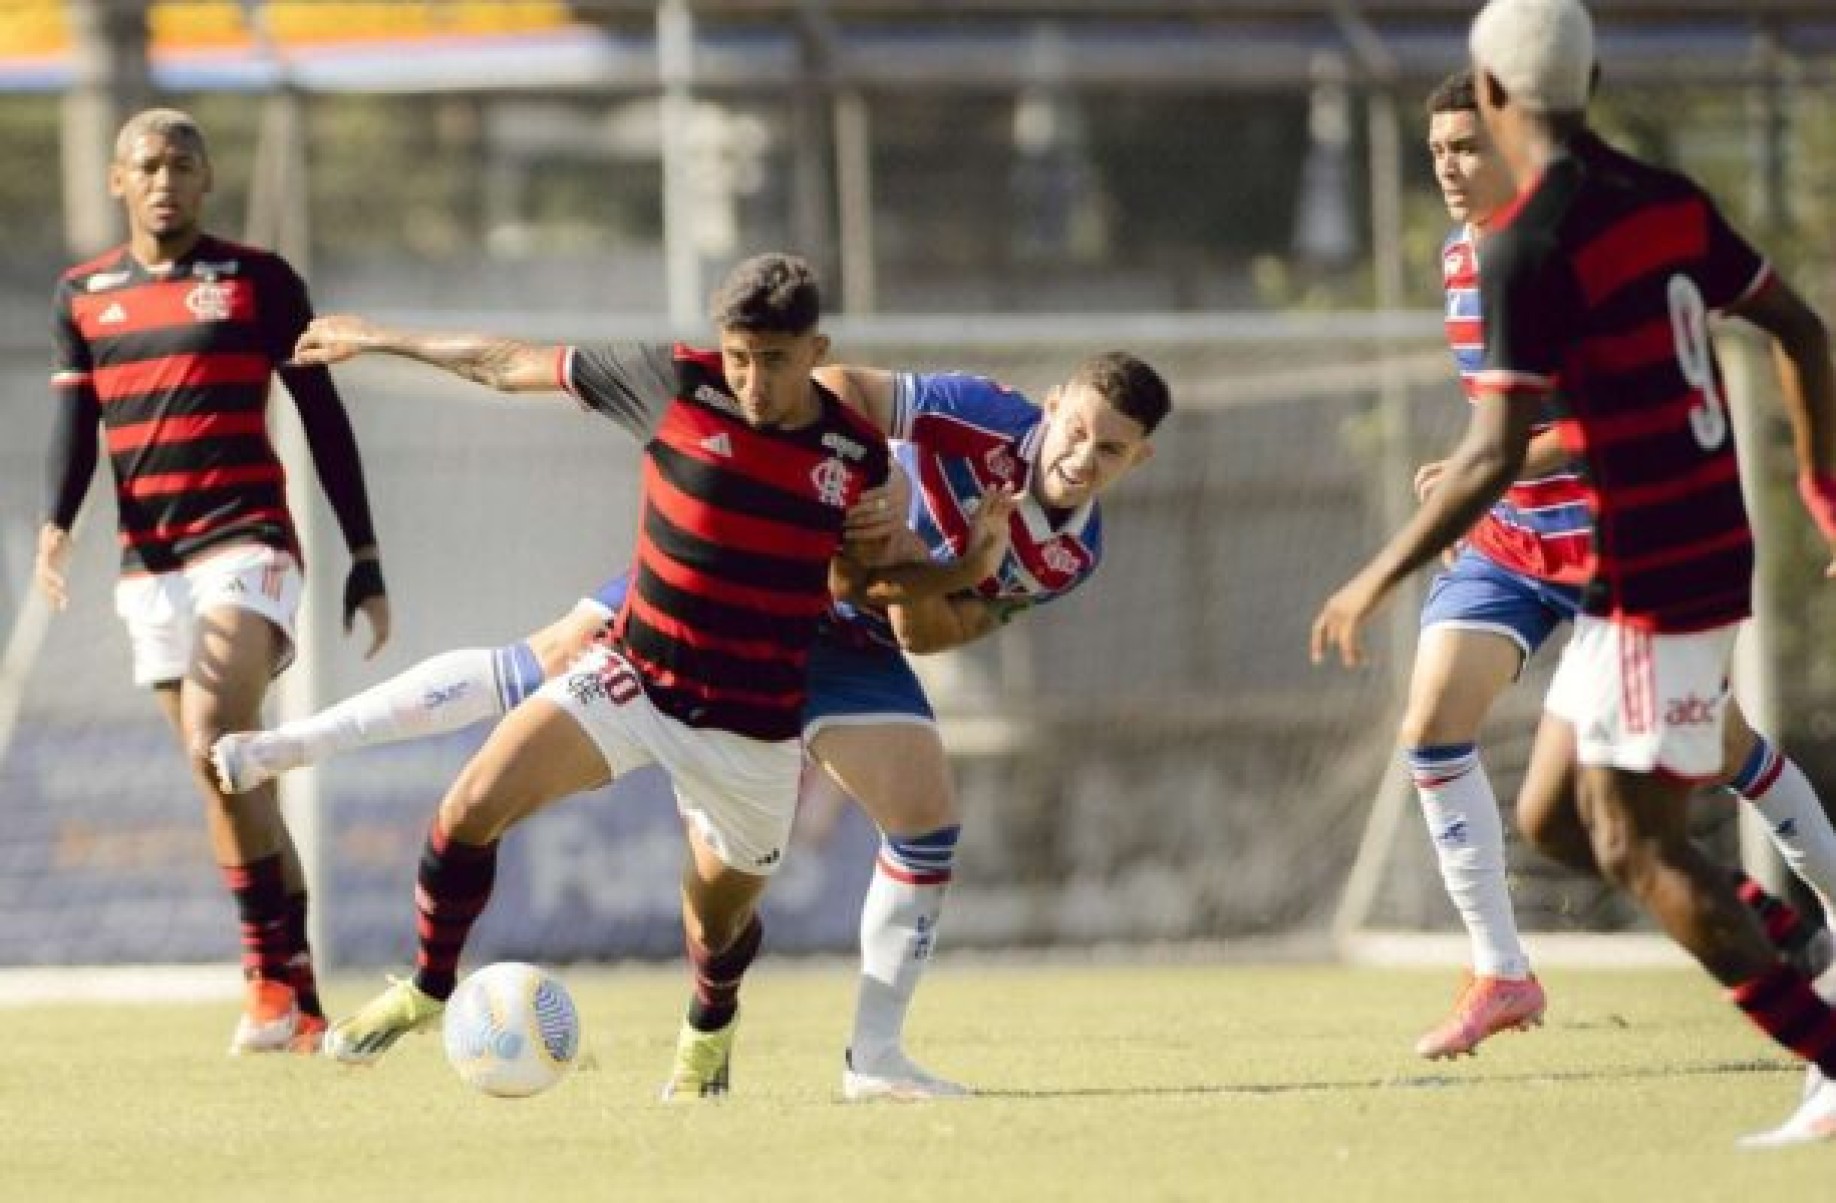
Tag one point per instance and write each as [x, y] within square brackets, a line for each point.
[831, 478]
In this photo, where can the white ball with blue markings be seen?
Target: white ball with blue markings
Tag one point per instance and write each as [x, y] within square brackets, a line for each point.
[511, 1030]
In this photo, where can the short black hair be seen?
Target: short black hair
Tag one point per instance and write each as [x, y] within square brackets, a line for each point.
[1129, 385]
[1455, 94]
[776, 293]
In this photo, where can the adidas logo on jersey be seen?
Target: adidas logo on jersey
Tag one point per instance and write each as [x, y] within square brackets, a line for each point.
[114, 315]
[718, 444]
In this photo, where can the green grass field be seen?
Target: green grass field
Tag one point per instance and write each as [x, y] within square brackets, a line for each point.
[1200, 1082]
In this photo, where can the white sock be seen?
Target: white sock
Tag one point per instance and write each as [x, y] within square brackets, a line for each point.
[440, 694]
[898, 932]
[1795, 817]
[1468, 835]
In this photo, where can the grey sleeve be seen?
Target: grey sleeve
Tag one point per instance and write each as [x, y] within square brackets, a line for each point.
[630, 383]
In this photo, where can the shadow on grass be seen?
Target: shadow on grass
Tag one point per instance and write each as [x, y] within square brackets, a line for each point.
[1404, 1082]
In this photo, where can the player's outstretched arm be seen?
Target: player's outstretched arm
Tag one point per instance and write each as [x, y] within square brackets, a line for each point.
[1807, 387]
[505, 364]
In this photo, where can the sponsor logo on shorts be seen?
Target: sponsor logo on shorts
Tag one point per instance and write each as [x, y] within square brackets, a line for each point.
[769, 859]
[606, 680]
[587, 687]
[1691, 711]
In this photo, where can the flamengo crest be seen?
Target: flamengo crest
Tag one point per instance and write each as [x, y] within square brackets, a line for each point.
[831, 480]
[209, 301]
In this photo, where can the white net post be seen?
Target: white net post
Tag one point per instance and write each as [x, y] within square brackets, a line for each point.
[1397, 460]
[278, 217]
[1747, 367]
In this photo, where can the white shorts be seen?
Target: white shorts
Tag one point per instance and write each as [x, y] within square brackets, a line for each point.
[739, 794]
[1642, 701]
[162, 609]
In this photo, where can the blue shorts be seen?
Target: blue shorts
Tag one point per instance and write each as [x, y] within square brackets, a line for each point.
[1477, 594]
[611, 595]
[848, 684]
[859, 685]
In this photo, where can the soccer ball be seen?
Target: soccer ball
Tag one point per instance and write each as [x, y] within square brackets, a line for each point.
[511, 1030]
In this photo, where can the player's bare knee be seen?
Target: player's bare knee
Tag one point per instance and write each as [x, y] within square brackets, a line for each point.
[1430, 722]
[474, 809]
[916, 815]
[1415, 729]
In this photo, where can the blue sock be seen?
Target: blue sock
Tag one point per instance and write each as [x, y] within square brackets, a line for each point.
[518, 674]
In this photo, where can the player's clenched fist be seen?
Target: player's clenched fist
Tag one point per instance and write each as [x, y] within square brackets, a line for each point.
[333, 339]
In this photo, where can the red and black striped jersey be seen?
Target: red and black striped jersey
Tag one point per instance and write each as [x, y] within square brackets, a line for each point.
[178, 364]
[1602, 276]
[738, 526]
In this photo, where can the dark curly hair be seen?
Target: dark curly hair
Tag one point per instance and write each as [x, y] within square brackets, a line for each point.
[775, 293]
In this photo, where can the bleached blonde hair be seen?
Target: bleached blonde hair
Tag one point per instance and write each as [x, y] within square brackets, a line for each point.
[172, 124]
[1542, 51]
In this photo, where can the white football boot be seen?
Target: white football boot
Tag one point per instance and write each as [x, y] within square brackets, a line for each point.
[1814, 1120]
[894, 1076]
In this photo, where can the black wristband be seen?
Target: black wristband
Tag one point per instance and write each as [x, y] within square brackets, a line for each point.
[364, 582]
